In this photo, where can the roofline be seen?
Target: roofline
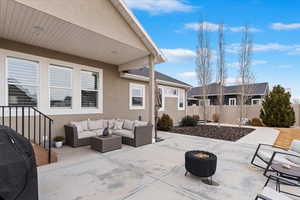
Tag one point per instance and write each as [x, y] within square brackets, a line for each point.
[139, 30]
[146, 79]
[229, 94]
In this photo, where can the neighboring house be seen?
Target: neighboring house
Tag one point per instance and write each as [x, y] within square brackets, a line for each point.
[77, 61]
[232, 94]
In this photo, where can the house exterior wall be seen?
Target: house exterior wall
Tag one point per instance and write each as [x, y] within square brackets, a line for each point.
[115, 89]
[171, 108]
[231, 113]
[96, 15]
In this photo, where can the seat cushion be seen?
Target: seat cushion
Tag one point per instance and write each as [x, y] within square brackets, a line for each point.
[124, 133]
[279, 158]
[99, 132]
[95, 124]
[140, 123]
[128, 125]
[270, 193]
[86, 134]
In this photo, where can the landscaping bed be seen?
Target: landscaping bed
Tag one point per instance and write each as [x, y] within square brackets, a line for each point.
[215, 132]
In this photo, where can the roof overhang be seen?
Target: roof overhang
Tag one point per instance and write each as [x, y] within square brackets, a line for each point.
[26, 24]
[146, 79]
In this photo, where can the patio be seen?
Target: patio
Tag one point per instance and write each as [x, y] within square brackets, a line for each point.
[150, 172]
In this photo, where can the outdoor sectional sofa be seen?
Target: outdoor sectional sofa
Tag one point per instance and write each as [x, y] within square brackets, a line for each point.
[133, 133]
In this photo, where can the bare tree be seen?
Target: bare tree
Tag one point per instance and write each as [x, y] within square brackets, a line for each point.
[221, 70]
[203, 65]
[245, 74]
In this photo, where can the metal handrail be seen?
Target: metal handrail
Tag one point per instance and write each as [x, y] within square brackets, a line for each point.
[38, 125]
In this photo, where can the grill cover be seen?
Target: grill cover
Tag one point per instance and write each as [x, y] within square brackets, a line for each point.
[18, 172]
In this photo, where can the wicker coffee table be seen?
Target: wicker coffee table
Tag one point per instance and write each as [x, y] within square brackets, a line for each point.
[106, 144]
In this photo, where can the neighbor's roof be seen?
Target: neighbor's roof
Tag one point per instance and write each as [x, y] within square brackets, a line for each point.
[120, 5]
[144, 72]
[213, 89]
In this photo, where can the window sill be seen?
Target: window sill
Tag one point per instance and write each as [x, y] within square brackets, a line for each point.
[137, 108]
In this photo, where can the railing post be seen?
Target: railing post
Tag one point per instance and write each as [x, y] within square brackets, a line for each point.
[23, 121]
[49, 140]
[17, 119]
[2, 115]
[34, 126]
[9, 116]
[28, 119]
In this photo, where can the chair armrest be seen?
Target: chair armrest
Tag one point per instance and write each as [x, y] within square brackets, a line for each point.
[143, 135]
[71, 134]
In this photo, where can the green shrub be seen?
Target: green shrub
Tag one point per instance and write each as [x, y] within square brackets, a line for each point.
[256, 122]
[165, 123]
[189, 121]
[277, 109]
[58, 139]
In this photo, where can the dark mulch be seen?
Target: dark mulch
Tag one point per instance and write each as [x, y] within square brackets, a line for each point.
[215, 132]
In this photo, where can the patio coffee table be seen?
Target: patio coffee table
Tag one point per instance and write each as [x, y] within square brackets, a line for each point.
[292, 173]
[106, 144]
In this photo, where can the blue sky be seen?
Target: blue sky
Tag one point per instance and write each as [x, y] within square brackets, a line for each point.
[275, 24]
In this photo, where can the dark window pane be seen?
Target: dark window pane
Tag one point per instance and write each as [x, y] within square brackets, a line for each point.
[60, 97]
[89, 99]
[22, 95]
[137, 101]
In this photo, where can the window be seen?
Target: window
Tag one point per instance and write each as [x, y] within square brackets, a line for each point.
[60, 86]
[255, 101]
[232, 101]
[171, 92]
[161, 98]
[23, 81]
[89, 89]
[181, 99]
[137, 96]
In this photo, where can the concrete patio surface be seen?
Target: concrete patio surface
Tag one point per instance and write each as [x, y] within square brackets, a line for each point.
[150, 172]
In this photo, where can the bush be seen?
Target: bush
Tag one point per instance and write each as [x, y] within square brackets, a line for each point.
[216, 117]
[58, 139]
[189, 121]
[165, 123]
[256, 122]
[196, 117]
[277, 110]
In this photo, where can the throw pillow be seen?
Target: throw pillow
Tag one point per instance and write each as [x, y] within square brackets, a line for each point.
[129, 125]
[78, 126]
[84, 125]
[111, 124]
[96, 124]
[118, 124]
[105, 123]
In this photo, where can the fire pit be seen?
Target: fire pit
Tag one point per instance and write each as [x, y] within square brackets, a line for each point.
[202, 164]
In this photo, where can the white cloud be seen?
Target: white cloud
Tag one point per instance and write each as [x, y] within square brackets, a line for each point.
[214, 27]
[290, 49]
[232, 80]
[254, 62]
[188, 75]
[178, 55]
[285, 66]
[206, 26]
[280, 26]
[160, 6]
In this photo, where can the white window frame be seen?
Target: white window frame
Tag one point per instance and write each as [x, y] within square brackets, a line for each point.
[171, 95]
[256, 99]
[98, 90]
[137, 86]
[38, 78]
[232, 99]
[162, 108]
[49, 86]
[43, 92]
[178, 99]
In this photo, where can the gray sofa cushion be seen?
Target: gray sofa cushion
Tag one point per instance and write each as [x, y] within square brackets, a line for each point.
[124, 133]
[118, 124]
[128, 125]
[95, 124]
[86, 134]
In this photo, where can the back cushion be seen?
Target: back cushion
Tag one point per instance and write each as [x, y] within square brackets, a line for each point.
[84, 125]
[295, 146]
[105, 123]
[129, 125]
[118, 124]
[96, 124]
[78, 126]
[111, 123]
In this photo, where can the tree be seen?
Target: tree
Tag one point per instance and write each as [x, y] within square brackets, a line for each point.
[221, 70]
[246, 77]
[203, 64]
[277, 110]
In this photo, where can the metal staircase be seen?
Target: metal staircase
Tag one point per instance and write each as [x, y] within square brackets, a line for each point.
[30, 123]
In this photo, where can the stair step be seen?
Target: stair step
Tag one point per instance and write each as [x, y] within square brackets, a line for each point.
[41, 155]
